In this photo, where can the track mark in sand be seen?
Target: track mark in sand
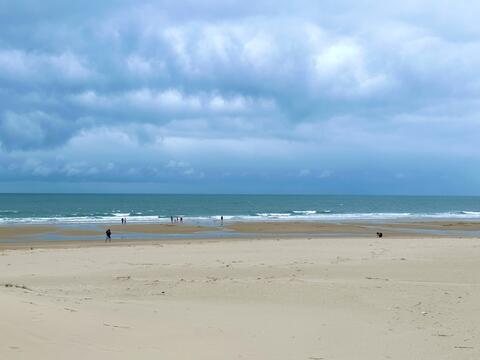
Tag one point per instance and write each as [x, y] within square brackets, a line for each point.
[23, 287]
[123, 277]
[140, 264]
[29, 302]
[463, 347]
[376, 278]
[116, 326]
[339, 260]
[71, 310]
[152, 283]
[315, 358]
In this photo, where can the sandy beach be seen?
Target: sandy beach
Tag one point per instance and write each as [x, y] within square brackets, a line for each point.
[239, 180]
[297, 298]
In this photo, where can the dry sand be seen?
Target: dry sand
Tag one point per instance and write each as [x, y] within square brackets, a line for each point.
[342, 298]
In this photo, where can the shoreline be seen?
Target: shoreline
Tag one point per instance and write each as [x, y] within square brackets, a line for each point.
[23, 236]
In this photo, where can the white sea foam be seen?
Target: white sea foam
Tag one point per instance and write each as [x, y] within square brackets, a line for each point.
[476, 213]
[82, 220]
[121, 214]
[274, 215]
[300, 215]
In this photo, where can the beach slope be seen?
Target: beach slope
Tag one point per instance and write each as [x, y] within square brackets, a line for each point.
[329, 298]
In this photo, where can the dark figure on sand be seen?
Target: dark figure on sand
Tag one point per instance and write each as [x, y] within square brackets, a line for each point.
[109, 236]
[379, 234]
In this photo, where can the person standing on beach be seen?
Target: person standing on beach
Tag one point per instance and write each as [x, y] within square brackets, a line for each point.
[109, 236]
[171, 219]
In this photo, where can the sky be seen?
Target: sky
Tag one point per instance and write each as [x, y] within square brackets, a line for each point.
[222, 96]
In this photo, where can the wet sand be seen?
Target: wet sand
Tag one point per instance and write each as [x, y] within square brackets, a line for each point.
[437, 225]
[31, 232]
[27, 233]
[19, 231]
[160, 228]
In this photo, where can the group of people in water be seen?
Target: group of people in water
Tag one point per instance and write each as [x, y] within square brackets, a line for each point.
[176, 219]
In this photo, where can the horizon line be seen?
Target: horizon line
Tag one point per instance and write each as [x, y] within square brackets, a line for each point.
[235, 194]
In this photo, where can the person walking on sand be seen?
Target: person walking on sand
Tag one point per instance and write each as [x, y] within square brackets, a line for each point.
[109, 236]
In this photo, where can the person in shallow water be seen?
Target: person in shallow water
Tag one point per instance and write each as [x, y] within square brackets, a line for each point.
[109, 236]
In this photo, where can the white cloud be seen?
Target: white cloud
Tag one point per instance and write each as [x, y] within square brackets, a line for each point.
[173, 102]
[141, 66]
[45, 67]
[342, 69]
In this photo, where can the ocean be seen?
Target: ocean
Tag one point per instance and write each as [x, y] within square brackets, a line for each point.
[157, 208]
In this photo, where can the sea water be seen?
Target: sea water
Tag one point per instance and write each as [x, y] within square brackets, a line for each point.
[156, 208]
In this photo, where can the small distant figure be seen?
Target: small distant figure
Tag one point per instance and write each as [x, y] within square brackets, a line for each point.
[109, 236]
[221, 219]
[171, 219]
[181, 219]
[379, 234]
[122, 221]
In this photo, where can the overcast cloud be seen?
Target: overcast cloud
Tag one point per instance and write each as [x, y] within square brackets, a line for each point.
[229, 96]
